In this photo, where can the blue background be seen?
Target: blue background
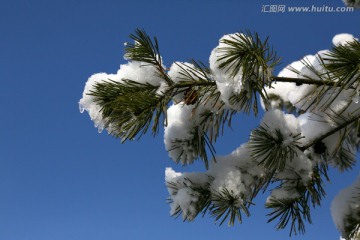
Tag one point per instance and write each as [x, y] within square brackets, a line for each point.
[60, 179]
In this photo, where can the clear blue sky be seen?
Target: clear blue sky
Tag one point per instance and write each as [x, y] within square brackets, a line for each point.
[59, 178]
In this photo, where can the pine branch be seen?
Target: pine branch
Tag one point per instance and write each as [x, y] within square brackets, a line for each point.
[202, 192]
[330, 132]
[314, 189]
[129, 107]
[352, 226]
[296, 211]
[249, 53]
[195, 147]
[221, 205]
[191, 84]
[226, 205]
[339, 70]
[254, 60]
[201, 89]
[300, 81]
[145, 50]
[214, 121]
[197, 85]
[343, 62]
[344, 155]
[351, 220]
[269, 147]
[247, 100]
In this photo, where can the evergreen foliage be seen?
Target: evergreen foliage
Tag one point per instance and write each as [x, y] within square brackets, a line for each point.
[279, 156]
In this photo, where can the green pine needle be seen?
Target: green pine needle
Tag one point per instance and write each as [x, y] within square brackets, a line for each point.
[145, 50]
[343, 62]
[268, 148]
[293, 211]
[352, 220]
[202, 192]
[227, 205]
[254, 59]
[198, 145]
[129, 107]
[249, 52]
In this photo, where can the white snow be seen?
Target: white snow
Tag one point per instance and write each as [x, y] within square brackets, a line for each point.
[170, 174]
[179, 130]
[176, 73]
[286, 123]
[289, 92]
[345, 204]
[343, 38]
[135, 71]
[290, 127]
[87, 101]
[227, 85]
[183, 196]
[230, 179]
[179, 70]
[312, 126]
[284, 192]
[238, 172]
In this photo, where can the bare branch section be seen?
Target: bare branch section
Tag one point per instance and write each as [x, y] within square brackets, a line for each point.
[300, 81]
[330, 132]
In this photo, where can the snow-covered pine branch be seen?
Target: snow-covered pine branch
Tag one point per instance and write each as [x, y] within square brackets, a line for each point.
[311, 123]
[345, 210]
[352, 3]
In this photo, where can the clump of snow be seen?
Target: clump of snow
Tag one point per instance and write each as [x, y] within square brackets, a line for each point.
[226, 84]
[184, 199]
[343, 38]
[286, 191]
[241, 159]
[237, 173]
[290, 129]
[136, 71]
[312, 126]
[139, 72]
[183, 192]
[229, 179]
[87, 101]
[305, 95]
[346, 205]
[299, 96]
[179, 132]
[183, 128]
[179, 70]
[288, 124]
[170, 174]
[301, 166]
